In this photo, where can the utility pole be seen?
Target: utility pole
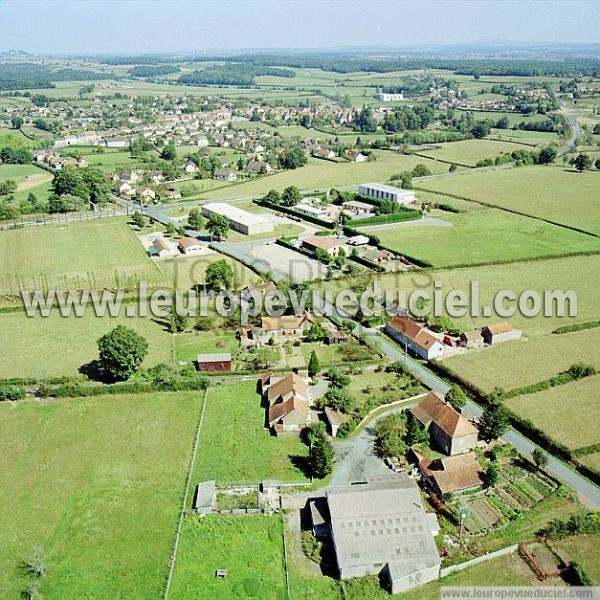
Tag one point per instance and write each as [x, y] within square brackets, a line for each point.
[463, 511]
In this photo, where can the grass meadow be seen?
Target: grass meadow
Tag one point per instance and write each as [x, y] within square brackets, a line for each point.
[549, 192]
[234, 445]
[584, 550]
[322, 173]
[110, 472]
[561, 411]
[55, 345]
[91, 254]
[482, 235]
[250, 548]
[469, 152]
[516, 364]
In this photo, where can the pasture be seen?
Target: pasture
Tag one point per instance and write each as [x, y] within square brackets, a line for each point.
[55, 345]
[319, 174]
[250, 548]
[516, 364]
[234, 445]
[85, 255]
[584, 550]
[561, 411]
[114, 161]
[111, 470]
[549, 192]
[469, 152]
[189, 345]
[482, 235]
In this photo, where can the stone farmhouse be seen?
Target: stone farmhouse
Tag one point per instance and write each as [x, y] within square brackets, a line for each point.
[415, 337]
[288, 400]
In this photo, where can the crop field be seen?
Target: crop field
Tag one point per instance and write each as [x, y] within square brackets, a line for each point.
[517, 364]
[490, 234]
[321, 174]
[549, 192]
[55, 345]
[111, 470]
[469, 152]
[250, 548]
[234, 445]
[92, 254]
[560, 411]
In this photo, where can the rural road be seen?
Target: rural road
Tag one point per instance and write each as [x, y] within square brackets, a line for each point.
[575, 127]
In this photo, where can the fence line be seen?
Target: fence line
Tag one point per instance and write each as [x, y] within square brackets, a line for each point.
[478, 560]
[185, 497]
[64, 218]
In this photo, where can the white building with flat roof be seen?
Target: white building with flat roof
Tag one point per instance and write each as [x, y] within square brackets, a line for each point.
[239, 220]
[389, 97]
[381, 191]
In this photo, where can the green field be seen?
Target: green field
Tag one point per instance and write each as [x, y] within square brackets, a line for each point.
[189, 345]
[56, 345]
[482, 235]
[561, 411]
[591, 461]
[30, 180]
[549, 192]
[111, 472]
[520, 136]
[234, 445]
[469, 152]
[584, 550]
[517, 364]
[114, 161]
[92, 254]
[250, 548]
[319, 174]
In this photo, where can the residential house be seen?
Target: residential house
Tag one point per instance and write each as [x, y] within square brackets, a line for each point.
[415, 337]
[172, 193]
[123, 188]
[145, 194]
[380, 527]
[258, 167]
[448, 429]
[190, 168]
[281, 329]
[325, 153]
[502, 332]
[355, 156]
[163, 249]
[224, 174]
[355, 208]
[190, 246]
[329, 245]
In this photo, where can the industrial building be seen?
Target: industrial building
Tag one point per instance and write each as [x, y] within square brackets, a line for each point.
[381, 191]
[239, 220]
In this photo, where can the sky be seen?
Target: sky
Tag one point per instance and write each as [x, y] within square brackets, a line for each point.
[58, 27]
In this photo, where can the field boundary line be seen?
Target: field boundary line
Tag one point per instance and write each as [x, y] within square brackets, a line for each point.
[185, 496]
[285, 559]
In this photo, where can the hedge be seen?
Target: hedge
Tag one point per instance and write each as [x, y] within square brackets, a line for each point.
[404, 215]
[576, 327]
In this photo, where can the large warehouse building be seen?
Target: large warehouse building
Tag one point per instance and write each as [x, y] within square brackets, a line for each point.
[239, 220]
[381, 191]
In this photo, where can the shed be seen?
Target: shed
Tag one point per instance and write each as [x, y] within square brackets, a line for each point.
[214, 362]
[204, 499]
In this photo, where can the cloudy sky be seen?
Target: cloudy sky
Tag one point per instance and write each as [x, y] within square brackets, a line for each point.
[153, 26]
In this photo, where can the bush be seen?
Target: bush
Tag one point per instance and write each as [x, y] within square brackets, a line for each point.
[11, 393]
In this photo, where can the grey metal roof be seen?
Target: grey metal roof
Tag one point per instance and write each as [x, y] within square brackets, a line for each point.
[216, 357]
[382, 522]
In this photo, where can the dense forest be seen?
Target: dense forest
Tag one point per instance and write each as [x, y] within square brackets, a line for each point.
[232, 74]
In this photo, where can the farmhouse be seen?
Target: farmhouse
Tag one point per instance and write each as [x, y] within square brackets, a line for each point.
[214, 362]
[190, 167]
[239, 220]
[415, 337]
[190, 246]
[355, 156]
[288, 403]
[257, 167]
[285, 327]
[381, 528]
[145, 193]
[448, 429]
[162, 248]
[323, 153]
[502, 332]
[329, 245]
[381, 191]
[451, 474]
